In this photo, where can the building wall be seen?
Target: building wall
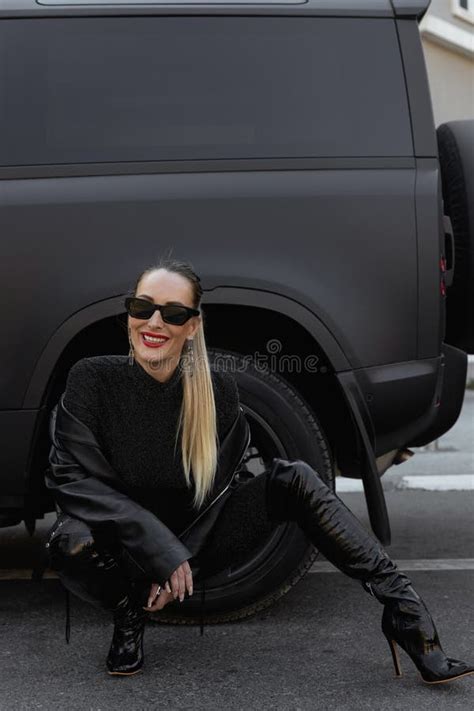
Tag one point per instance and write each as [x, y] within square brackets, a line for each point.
[451, 78]
[451, 11]
[448, 43]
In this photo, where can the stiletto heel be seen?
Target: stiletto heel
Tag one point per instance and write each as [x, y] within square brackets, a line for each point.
[395, 657]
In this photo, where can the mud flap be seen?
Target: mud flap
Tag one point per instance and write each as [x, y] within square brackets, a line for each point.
[374, 495]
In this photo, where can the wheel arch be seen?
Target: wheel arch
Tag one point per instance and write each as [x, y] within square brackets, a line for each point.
[264, 316]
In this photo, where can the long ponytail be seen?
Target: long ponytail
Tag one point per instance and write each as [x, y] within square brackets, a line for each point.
[197, 419]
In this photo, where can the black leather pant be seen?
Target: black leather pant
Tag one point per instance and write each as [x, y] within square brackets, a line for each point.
[84, 565]
[286, 491]
[291, 490]
[77, 557]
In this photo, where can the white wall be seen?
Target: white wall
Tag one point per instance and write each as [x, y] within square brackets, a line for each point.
[448, 45]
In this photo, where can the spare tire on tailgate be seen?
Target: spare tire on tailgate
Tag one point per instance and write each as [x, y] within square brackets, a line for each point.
[456, 157]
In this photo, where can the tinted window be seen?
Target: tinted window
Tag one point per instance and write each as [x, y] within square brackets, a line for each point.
[161, 88]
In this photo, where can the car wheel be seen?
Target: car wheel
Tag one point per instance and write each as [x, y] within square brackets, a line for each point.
[282, 425]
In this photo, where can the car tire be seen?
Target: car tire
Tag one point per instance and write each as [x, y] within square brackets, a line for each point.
[282, 425]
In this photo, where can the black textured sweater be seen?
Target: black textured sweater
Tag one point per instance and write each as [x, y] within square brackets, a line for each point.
[134, 418]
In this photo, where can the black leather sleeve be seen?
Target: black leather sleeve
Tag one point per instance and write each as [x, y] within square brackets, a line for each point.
[85, 486]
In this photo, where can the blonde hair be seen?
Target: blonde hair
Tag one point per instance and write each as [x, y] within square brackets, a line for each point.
[197, 418]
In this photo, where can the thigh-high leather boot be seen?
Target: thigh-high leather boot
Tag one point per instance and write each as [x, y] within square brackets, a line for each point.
[296, 492]
[91, 572]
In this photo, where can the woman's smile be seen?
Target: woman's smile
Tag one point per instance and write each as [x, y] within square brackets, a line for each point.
[154, 341]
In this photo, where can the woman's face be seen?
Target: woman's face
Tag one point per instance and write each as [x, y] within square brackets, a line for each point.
[161, 287]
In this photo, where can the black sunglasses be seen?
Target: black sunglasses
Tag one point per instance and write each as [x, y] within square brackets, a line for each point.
[170, 313]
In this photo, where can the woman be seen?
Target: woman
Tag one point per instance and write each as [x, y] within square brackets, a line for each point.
[137, 455]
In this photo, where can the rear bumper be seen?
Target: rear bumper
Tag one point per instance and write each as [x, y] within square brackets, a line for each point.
[448, 407]
[413, 403]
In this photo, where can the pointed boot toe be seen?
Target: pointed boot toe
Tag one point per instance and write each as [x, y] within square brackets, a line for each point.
[408, 623]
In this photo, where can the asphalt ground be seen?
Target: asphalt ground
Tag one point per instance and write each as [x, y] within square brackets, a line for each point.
[319, 647]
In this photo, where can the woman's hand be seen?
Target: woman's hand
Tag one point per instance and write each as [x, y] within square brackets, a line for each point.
[181, 579]
[158, 602]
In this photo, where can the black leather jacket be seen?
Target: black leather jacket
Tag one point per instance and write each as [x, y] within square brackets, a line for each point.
[86, 487]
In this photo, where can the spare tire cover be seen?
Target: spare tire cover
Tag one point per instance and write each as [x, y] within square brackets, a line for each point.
[456, 157]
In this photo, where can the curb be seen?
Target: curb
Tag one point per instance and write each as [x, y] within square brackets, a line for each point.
[455, 482]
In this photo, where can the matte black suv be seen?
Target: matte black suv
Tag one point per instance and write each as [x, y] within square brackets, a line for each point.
[288, 150]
